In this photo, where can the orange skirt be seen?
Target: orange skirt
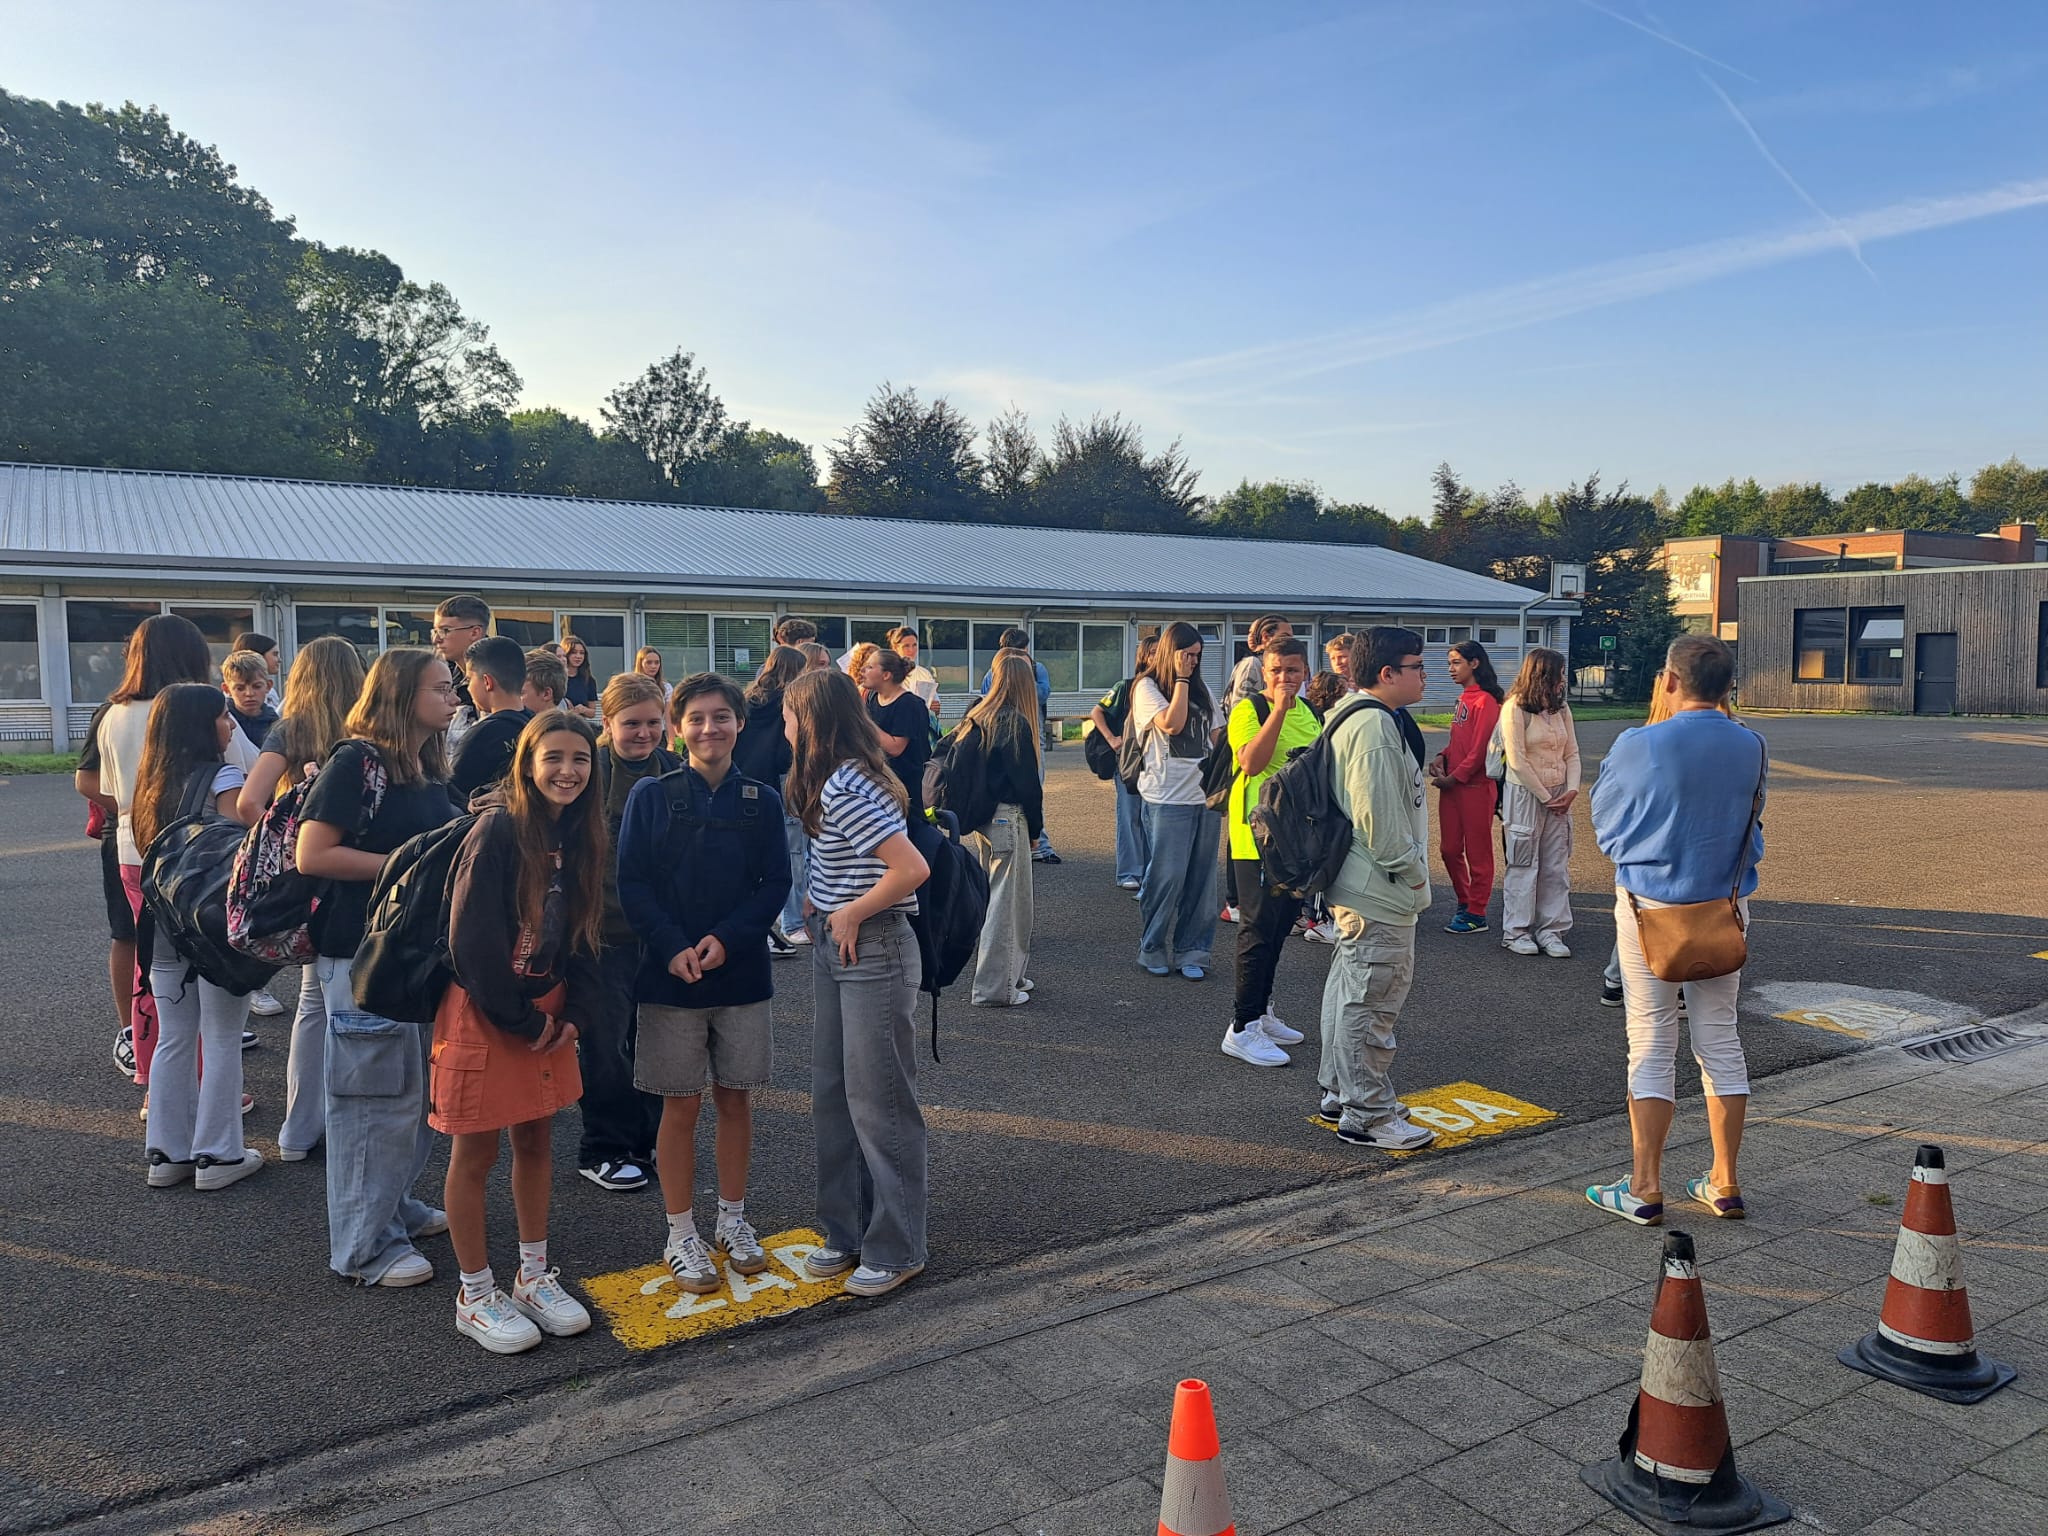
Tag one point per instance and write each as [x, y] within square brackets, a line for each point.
[485, 1079]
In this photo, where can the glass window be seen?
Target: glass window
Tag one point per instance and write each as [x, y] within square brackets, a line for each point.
[2041, 648]
[1817, 644]
[1532, 637]
[358, 626]
[21, 662]
[528, 627]
[219, 625]
[988, 639]
[943, 648]
[97, 635]
[1880, 645]
[604, 637]
[1056, 645]
[408, 626]
[873, 631]
[684, 640]
[1436, 635]
[1460, 633]
[1489, 636]
[1102, 657]
[738, 646]
[831, 632]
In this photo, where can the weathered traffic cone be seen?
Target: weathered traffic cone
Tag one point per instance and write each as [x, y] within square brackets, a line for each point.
[1924, 1339]
[1675, 1469]
[1193, 1501]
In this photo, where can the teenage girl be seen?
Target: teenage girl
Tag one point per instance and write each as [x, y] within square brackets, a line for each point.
[325, 681]
[581, 698]
[647, 662]
[1465, 800]
[862, 886]
[195, 1128]
[1541, 749]
[1173, 713]
[526, 919]
[1006, 719]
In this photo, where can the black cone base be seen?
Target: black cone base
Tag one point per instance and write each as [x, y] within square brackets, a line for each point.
[1728, 1502]
[1953, 1378]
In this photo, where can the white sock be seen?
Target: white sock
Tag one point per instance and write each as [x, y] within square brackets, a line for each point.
[478, 1286]
[533, 1260]
[681, 1224]
[731, 1207]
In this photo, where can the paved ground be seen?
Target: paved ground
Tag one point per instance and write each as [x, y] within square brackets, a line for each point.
[1905, 872]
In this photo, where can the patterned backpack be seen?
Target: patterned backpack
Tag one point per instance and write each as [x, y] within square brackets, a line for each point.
[270, 904]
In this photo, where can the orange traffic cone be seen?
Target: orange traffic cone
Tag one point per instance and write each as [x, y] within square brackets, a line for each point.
[1193, 1502]
[1924, 1339]
[1675, 1470]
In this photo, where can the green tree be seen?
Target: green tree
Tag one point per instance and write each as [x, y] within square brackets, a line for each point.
[2010, 493]
[1914, 503]
[1098, 475]
[670, 415]
[1615, 536]
[749, 467]
[1012, 468]
[907, 458]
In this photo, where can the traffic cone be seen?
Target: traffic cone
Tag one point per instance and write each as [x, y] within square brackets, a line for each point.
[1675, 1470]
[1193, 1501]
[1924, 1339]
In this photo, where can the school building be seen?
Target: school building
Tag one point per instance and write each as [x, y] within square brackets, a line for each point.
[87, 554]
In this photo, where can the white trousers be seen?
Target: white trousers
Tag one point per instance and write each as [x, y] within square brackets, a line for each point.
[1652, 1005]
[1536, 867]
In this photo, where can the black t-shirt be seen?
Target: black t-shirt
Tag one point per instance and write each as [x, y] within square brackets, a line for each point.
[909, 717]
[484, 755]
[583, 689]
[337, 797]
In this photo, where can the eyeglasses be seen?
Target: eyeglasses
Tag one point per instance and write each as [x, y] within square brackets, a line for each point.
[1413, 666]
[446, 690]
[443, 631]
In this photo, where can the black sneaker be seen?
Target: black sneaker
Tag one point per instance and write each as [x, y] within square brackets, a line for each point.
[617, 1174]
[778, 946]
[1610, 994]
[249, 1040]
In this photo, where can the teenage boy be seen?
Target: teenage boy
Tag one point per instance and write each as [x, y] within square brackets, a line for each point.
[1247, 678]
[1111, 714]
[703, 873]
[273, 663]
[1376, 771]
[1014, 639]
[795, 632]
[497, 675]
[547, 680]
[246, 680]
[1264, 729]
[459, 623]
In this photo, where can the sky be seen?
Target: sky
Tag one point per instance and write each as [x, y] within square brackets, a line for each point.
[1331, 243]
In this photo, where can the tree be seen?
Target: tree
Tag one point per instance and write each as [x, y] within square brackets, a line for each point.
[1914, 503]
[2010, 493]
[669, 414]
[748, 467]
[906, 458]
[1614, 535]
[1281, 509]
[1012, 467]
[1098, 475]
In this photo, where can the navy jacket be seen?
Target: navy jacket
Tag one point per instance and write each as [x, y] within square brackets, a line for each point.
[694, 861]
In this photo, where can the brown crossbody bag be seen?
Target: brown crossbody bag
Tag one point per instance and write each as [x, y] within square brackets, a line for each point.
[1698, 940]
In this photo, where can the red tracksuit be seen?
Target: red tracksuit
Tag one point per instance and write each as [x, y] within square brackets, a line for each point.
[1465, 810]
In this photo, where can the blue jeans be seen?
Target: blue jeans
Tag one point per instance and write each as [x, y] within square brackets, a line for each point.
[1178, 902]
[1130, 834]
[799, 868]
[377, 1134]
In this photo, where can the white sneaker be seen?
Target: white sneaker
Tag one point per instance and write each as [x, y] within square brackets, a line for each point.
[1522, 946]
[1324, 932]
[1231, 915]
[413, 1269]
[798, 936]
[690, 1262]
[1250, 1045]
[263, 1005]
[871, 1281]
[211, 1174]
[550, 1307]
[435, 1224]
[743, 1251]
[824, 1263]
[1277, 1032]
[495, 1323]
[1554, 947]
[1396, 1133]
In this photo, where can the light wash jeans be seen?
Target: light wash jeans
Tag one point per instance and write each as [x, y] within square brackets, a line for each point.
[1536, 881]
[191, 1115]
[1004, 949]
[1130, 834]
[377, 1134]
[799, 870]
[872, 1176]
[305, 1070]
[1178, 900]
[1370, 974]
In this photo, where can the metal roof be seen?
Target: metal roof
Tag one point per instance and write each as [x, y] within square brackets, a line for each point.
[152, 523]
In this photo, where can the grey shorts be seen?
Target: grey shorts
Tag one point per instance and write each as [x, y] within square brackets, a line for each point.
[681, 1051]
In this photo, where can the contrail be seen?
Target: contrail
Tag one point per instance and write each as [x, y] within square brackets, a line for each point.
[1786, 176]
[1668, 40]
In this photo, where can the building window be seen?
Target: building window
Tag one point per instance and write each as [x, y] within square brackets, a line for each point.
[21, 663]
[1079, 657]
[1460, 633]
[988, 639]
[1489, 636]
[408, 626]
[831, 630]
[604, 637]
[738, 645]
[2041, 649]
[1532, 637]
[1878, 645]
[1240, 637]
[529, 628]
[1102, 656]
[870, 631]
[684, 640]
[1436, 634]
[1819, 638]
[219, 625]
[358, 626]
[97, 636]
[943, 648]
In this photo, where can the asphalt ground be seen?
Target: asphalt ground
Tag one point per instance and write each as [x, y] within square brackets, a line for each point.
[158, 1340]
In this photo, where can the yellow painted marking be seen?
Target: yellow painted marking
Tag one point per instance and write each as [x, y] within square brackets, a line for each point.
[645, 1310]
[1464, 1112]
[1863, 1021]
[2040, 954]
[1821, 1020]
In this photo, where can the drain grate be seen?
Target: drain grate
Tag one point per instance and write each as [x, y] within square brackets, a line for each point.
[1971, 1044]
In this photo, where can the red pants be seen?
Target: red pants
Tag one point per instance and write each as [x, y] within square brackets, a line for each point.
[1465, 818]
[145, 1000]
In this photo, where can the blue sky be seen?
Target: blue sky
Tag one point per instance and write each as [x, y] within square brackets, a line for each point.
[1792, 238]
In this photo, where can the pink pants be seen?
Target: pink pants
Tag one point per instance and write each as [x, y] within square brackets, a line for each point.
[145, 1000]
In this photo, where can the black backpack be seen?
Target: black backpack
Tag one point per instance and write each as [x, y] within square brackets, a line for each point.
[956, 777]
[185, 875]
[952, 904]
[1302, 834]
[403, 966]
[1220, 771]
[1100, 756]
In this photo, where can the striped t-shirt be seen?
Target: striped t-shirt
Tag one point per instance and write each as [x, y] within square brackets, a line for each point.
[854, 819]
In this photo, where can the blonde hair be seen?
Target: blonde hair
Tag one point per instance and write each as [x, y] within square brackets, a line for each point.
[1013, 685]
[1661, 707]
[641, 655]
[245, 667]
[325, 681]
[386, 716]
[624, 691]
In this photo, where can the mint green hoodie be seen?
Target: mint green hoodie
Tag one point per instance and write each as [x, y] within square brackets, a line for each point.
[1380, 786]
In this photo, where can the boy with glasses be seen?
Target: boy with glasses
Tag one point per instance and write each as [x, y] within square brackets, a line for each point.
[459, 623]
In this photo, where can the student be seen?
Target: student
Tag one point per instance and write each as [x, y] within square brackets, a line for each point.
[246, 681]
[1247, 678]
[1337, 650]
[1376, 769]
[1466, 797]
[101, 819]
[376, 1068]
[796, 633]
[1541, 748]
[273, 663]
[815, 654]
[620, 1121]
[1112, 714]
[1264, 728]
[195, 1125]
[547, 681]
[903, 721]
[1014, 639]
[1004, 722]
[857, 661]
[580, 692]
[1174, 714]
[921, 681]
[525, 918]
[459, 622]
[702, 890]
[1323, 693]
[496, 669]
[864, 877]
[763, 756]
[326, 679]
[647, 662]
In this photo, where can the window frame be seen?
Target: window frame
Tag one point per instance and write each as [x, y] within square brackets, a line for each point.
[671, 667]
[1841, 651]
[35, 623]
[158, 606]
[2041, 648]
[1859, 647]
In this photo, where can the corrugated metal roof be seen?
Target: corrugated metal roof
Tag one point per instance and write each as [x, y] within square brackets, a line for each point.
[139, 521]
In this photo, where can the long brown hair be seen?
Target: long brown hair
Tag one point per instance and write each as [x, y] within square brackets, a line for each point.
[579, 832]
[785, 664]
[182, 737]
[1539, 686]
[384, 716]
[832, 728]
[325, 681]
[1013, 686]
[166, 648]
[1174, 639]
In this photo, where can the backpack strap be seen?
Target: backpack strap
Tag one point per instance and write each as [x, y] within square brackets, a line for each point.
[197, 799]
